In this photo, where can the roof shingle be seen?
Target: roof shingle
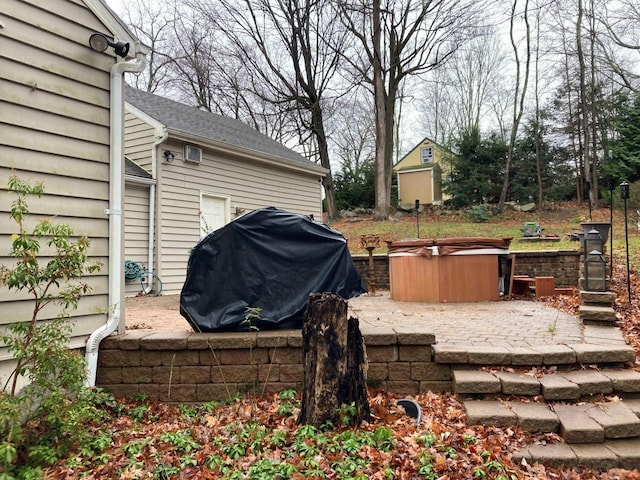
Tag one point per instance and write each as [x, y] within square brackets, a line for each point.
[210, 126]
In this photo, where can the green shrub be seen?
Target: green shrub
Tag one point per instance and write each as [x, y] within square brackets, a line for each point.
[41, 421]
[479, 213]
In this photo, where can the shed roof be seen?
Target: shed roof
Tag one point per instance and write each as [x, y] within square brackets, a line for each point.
[208, 126]
[133, 169]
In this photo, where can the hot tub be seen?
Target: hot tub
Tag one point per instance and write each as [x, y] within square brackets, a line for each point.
[446, 270]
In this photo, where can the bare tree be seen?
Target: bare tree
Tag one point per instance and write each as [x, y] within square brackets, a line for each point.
[462, 90]
[395, 40]
[519, 92]
[353, 134]
[287, 63]
[152, 22]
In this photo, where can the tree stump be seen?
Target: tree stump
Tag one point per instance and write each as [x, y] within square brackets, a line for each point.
[334, 362]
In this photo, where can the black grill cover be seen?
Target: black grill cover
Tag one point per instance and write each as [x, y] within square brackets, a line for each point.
[271, 259]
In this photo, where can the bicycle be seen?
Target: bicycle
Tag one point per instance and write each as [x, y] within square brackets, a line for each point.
[149, 281]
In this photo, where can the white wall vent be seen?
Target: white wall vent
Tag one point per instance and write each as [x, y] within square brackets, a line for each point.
[192, 154]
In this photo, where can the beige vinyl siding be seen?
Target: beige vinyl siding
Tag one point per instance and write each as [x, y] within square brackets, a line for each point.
[138, 140]
[248, 185]
[136, 231]
[54, 128]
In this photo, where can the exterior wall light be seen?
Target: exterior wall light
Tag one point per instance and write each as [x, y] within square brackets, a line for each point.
[99, 43]
[169, 155]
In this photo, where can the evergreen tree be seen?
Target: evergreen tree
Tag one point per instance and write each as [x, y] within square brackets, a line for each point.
[477, 171]
[355, 187]
[556, 173]
[625, 149]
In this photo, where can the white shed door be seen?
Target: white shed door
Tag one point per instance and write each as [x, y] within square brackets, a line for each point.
[214, 213]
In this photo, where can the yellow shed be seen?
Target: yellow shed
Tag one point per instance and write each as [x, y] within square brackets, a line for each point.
[420, 173]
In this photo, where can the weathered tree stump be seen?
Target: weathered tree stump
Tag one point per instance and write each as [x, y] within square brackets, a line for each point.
[334, 362]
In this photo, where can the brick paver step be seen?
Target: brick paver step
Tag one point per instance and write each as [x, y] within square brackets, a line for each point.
[576, 423]
[590, 382]
[592, 455]
[518, 384]
[556, 387]
[602, 456]
[489, 412]
[535, 417]
[576, 426]
[474, 382]
[617, 419]
[570, 386]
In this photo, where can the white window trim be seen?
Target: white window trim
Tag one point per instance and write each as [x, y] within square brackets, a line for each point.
[429, 157]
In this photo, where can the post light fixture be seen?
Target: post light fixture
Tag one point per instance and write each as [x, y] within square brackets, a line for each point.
[593, 241]
[595, 272]
[624, 190]
[99, 43]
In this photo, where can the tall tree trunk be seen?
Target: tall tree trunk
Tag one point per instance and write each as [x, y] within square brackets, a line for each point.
[586, 163]
[334, 362]
[381, 210]
[518, 99]
[323, 154]
[593, 194]
[537, 133]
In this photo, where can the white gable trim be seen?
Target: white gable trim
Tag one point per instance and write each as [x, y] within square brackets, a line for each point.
[160, 128]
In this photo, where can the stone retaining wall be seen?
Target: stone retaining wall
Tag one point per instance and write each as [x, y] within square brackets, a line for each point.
[380, 266]
[563, 265]
[198, 367]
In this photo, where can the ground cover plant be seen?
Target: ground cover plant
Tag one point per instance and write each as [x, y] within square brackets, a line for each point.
[256, 436]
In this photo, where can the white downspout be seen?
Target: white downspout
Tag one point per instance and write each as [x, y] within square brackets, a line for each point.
[152, 196]
[114, 211]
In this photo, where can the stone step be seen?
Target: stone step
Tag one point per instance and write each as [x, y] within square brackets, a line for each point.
[623, 454]
[580, 423]
[568, 386]
[603, 345]
[597, 314]
[597, 298]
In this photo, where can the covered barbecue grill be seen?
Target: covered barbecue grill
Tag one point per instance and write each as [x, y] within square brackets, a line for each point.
[268, 259]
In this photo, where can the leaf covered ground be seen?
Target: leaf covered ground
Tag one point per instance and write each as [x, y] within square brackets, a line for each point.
[258, 438]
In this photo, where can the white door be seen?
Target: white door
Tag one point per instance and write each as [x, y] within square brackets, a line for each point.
[214, 213]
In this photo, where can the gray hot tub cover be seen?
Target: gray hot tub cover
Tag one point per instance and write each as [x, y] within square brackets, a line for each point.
[270, 259]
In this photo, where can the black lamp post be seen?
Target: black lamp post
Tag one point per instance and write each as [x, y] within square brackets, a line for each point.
[624, 194]
[417, 216]
[612, 187]
[595, 265]
[587, 186]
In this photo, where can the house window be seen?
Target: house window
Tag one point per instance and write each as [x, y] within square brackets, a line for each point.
[426, 154]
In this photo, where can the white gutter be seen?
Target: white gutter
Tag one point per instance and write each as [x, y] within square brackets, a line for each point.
[114, 211]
